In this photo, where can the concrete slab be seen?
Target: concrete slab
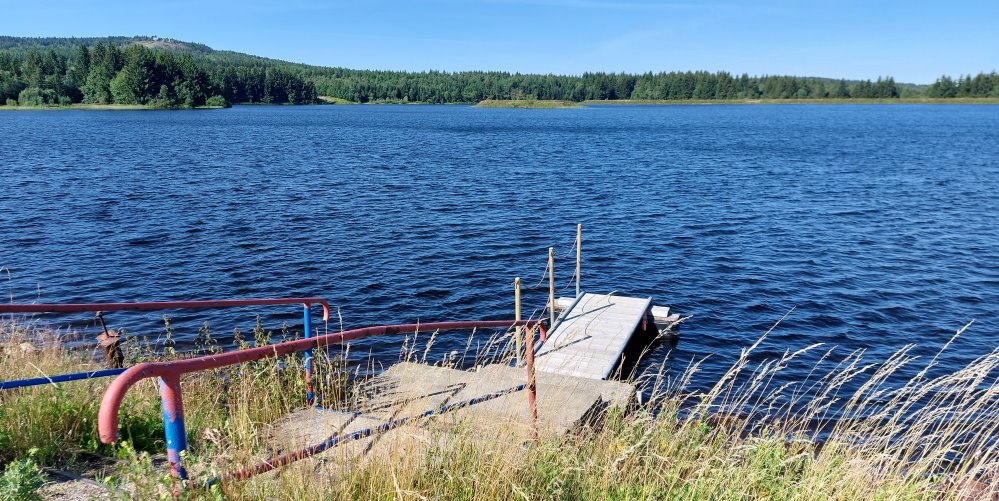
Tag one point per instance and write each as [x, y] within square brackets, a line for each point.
[308, 427]
[564, 402]
[406, 389]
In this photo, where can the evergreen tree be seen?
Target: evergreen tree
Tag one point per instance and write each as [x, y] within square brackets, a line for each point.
[104, 65]
[120, 70]
[841, 91]
[135, 82]
[943, 87]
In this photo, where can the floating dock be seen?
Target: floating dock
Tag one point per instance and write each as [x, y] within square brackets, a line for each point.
[591, 334]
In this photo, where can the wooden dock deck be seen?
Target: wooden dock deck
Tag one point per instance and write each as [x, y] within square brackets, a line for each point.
[590, 338]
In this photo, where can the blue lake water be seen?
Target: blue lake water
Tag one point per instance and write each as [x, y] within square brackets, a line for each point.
[875, 224]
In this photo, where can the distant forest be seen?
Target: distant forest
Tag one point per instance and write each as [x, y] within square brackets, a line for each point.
[170, 74]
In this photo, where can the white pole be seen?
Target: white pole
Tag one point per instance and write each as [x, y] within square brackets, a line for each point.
[579, 245]
[551, 284]
[516, 314]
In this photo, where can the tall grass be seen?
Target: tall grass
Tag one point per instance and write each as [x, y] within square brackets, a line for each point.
[851, 429]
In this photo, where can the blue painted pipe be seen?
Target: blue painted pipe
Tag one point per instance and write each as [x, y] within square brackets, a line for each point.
[309, 397]
[21, 383]
[173, 423]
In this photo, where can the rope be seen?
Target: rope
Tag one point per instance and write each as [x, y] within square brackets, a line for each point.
[572, 248]
[572, 280]
[541, 281]
[544, 275]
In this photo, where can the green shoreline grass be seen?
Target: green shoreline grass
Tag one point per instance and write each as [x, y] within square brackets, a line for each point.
[525, 103]
[77, 107]
[895, 443]
[548, 104]
[100, 107]
[956, 100]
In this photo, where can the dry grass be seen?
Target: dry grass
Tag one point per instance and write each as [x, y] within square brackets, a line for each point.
[855, 430]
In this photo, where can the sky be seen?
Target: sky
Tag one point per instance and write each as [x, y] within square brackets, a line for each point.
[912, 41]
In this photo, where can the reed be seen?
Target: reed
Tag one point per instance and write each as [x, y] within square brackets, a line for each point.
[851, 429]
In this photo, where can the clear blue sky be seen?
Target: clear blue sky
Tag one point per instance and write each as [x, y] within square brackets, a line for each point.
[914, 41]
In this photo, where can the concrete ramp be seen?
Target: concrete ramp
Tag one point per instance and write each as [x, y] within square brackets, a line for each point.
[590, 338]
[565, 403]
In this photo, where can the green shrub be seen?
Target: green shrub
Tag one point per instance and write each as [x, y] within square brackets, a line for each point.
[32, 96]
[217, 101]
[20, 481]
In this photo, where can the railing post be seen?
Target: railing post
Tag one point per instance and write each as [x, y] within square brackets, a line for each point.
[518, 331]
[307, 326]
[551, 284]
[579, 245]
[173, 423]
[532, 387]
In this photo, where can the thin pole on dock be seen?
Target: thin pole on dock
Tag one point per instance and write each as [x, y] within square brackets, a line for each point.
[551, 284]
[518, 333]
[532, 386]
[579, 245]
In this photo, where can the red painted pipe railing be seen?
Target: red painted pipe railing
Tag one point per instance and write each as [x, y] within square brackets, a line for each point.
[307, 302]
[170, 372]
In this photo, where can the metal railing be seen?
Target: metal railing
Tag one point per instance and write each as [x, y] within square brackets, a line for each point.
[169, 374]
[306, 302]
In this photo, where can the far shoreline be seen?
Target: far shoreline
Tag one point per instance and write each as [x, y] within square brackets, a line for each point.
[542, 104]
[919, 100]
[101, 107]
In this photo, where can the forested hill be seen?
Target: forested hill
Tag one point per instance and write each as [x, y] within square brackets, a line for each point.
[142, 70]
[167, 73]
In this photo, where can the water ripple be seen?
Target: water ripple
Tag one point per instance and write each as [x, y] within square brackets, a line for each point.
[873, 226]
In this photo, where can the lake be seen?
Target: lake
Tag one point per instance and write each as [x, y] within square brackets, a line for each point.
[868, 226]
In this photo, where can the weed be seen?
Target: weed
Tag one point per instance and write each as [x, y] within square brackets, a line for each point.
[747, 437]
[20, 480]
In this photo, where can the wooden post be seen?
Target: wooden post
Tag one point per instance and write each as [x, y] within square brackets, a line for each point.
[551, 284]
[579, 245]
[518, 332]
[532, 386]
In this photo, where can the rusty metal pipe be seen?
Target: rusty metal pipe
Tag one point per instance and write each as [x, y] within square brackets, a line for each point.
[107, 419]
[532, 387]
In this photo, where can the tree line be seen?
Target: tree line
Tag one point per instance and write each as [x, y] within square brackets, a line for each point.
[106, 74]
[980, 85]
[176, 74]
[468, 87]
